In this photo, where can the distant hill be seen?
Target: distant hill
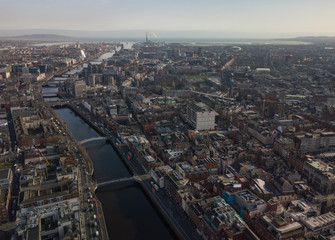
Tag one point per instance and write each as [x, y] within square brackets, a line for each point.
[312, 39]
[53, 37]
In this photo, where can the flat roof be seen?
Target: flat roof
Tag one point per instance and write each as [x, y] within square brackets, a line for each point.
[321, 220]
[201, 107]
[5, 173]
[149, 159]
[319, 165]
[283, 229]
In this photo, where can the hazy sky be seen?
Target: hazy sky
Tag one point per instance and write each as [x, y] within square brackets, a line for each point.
[251, 18]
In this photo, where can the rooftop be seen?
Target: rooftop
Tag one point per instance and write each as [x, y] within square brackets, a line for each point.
[286, 226]
[321, 166]
[315, 222]
[5, 174]
[200, 107]
[249, 196]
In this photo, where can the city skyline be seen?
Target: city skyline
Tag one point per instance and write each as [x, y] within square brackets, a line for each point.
[242, 19]
[190, 120]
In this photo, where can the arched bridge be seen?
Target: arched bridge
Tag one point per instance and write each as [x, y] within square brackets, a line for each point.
[92, 139]
[137, 178]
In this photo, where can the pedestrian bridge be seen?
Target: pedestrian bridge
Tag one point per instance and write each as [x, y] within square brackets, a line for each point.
[92, 139]
[137, 178]
[57, 103]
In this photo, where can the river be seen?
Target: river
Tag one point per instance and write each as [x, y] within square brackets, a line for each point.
[128, 212]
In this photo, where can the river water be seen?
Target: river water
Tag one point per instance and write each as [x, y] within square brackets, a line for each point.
[128, 212]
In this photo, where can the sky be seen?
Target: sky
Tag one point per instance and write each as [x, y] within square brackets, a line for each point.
[221, 18]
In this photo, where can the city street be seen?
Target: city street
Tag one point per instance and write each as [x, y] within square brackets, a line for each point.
[88, 204]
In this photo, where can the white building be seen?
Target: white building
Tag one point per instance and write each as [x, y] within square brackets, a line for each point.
[200, 116]
[318, 141]
[79, 88]
[320, 223]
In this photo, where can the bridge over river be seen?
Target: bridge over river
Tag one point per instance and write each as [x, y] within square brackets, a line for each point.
[137, 178]
[92, 139]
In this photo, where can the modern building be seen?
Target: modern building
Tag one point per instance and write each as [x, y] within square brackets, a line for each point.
[200, 116]
[91, 80]
[250, 203]
[315, 142]
[26, 76]
[94, 78]
[5, 177]
[158, 174]
[320, 224]
[174, 182]
[79, 88]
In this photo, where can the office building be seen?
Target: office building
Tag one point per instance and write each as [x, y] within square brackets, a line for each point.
[200, 116]
[79, 88]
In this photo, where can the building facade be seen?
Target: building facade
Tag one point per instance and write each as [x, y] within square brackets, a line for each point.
[320, 175]
[200, 116]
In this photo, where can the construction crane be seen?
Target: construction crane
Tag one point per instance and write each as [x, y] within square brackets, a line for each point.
[46, 160]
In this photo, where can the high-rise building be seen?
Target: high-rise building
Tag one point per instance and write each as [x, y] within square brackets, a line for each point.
[200, 116]
[79, 88]
[91, 80]
[25, 74]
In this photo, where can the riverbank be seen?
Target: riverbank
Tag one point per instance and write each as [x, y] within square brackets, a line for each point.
[149, 193]
[82, 150]
[159, 208]
[163, 211]
[132, 169]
